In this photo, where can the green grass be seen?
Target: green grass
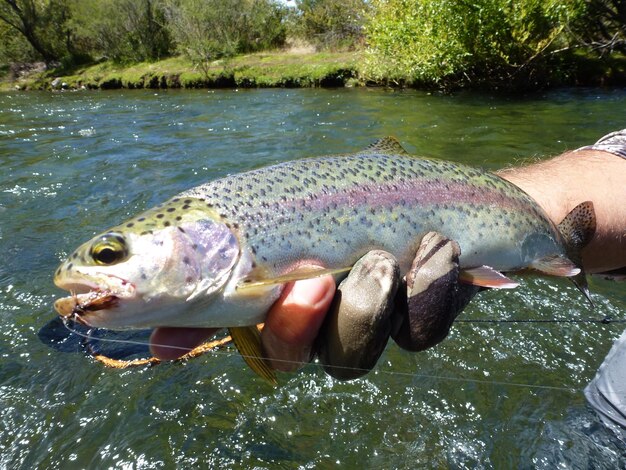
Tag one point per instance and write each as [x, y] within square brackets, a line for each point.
[277, 69]
[267, 69]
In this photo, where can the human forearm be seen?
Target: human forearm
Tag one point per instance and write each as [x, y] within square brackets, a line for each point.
[561, 183]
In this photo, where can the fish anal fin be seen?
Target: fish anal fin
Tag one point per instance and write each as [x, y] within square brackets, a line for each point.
[556, 265]
[306, 272]
[387, 145]
[247, 340]
[578, 227]
[486, 276]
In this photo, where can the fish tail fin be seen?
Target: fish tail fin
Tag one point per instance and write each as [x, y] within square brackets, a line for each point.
[577, 229]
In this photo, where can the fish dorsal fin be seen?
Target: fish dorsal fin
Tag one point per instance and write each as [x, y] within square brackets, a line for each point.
[579, 226]
[247, 340]
[306, 272]
[387, 145]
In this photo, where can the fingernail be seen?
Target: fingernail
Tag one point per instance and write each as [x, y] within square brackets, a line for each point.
[308, 292]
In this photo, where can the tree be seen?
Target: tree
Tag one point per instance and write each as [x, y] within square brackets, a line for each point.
[41, 23]
[332, 23]
[206, 30]
[603, 28]
[123, 30]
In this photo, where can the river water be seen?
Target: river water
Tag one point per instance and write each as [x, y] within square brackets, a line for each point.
[493, 395]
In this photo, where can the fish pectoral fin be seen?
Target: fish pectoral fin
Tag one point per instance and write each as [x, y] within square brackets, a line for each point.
[306, 272]
[387, 145]
[556, 265]
[486, 276]
[247, 340]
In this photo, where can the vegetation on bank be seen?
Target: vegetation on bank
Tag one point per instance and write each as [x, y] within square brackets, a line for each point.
[527, 44]
[262, 69]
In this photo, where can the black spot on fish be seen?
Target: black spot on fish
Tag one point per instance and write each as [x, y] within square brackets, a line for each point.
[141, 219]
[180, 229]
[143, 276]
[160, 216]
[167, 224]
[69, 267]
[171, 209]
[187, 201]
[186, 206]
[130, 224]
[75, 255]
[179, 218]
[186, 260]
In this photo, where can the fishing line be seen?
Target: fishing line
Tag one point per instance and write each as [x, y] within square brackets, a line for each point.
[115, 340]
[604, 321]
[317, 363]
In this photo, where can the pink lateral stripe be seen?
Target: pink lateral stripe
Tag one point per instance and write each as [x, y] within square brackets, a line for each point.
[391, 195]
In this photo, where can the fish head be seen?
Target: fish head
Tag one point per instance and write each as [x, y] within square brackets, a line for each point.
[163, 263]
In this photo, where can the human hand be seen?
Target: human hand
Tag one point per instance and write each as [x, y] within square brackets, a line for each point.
[374, 303]
[290, 329]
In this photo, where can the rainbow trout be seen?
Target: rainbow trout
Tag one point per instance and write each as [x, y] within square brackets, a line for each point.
[218, 255]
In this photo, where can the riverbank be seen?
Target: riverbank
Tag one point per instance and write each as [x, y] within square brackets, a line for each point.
[260, 70]
[292, 69]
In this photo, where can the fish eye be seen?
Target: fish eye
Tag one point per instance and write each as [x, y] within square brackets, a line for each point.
[109, 249]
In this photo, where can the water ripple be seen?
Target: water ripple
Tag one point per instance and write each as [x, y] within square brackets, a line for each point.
[492, 395]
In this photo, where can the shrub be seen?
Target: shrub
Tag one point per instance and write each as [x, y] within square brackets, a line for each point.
[490, 41]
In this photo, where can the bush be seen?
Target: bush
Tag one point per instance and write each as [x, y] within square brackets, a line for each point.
[206, 30]
[491, 41]
[122, 30]
[331, 24]
[603, 28]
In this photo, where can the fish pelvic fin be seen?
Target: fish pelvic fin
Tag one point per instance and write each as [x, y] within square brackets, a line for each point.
[577, 229]
[247, 340]
[387, 145]
[486, 276]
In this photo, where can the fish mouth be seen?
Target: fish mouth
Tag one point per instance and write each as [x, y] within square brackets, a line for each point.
[88, 296]
[77, 306]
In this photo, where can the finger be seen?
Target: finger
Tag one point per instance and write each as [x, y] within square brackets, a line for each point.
[293, 322]
[434, 296]
[171, 343]
[358, 325]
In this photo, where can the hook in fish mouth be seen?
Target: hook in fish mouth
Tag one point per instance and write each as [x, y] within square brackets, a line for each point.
[77, 305]
[91, 293]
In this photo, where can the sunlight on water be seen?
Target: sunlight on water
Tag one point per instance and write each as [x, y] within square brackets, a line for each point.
[492, 395]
